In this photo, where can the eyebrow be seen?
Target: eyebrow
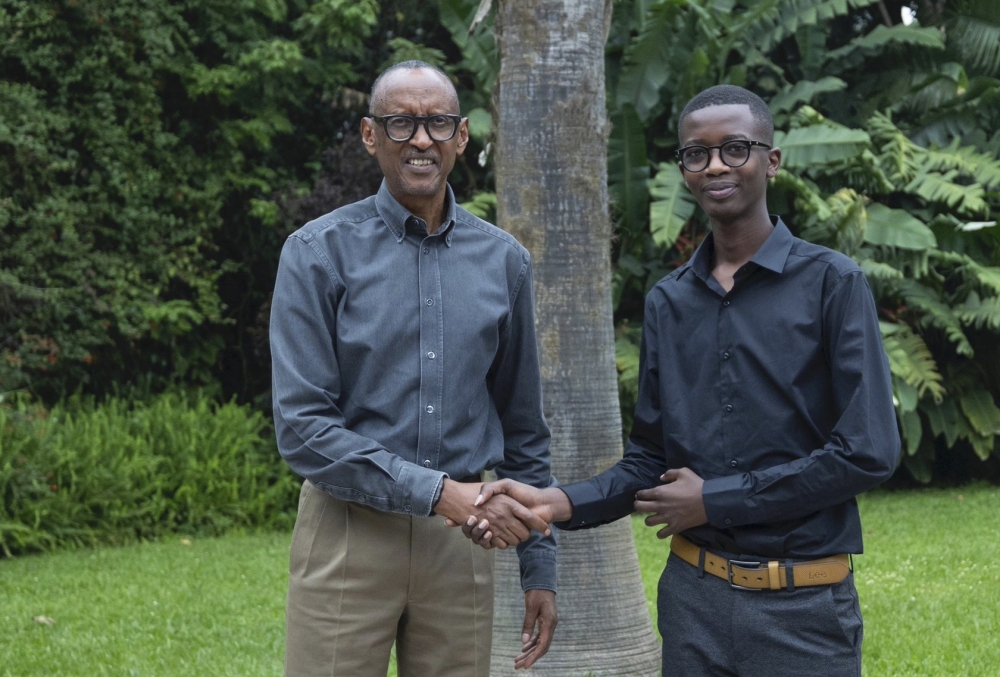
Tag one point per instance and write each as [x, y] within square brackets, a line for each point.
[727, 137]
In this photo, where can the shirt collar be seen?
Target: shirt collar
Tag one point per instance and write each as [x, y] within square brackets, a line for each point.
[771, 255]
[396, 216]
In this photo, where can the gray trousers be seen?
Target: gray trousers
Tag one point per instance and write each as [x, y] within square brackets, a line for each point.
[712, 630]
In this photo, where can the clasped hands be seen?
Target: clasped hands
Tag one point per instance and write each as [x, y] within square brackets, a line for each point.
[509, 511]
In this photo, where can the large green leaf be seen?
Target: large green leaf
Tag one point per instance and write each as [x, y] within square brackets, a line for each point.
[479, 50]
[875, 43]
[628, 170]
[804, 92]
[983, 414]
[651, 57]
[672, 206]
[816, 145]
[897, 228]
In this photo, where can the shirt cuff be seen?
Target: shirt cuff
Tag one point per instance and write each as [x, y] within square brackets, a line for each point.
[538, 571]
[724, 501]
[591, 508]
[417, 490]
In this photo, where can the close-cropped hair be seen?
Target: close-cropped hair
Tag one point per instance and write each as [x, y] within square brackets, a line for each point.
[722, 95]
[374, 97]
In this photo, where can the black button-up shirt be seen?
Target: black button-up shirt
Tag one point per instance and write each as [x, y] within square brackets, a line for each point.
[777, 394]
[400, 358]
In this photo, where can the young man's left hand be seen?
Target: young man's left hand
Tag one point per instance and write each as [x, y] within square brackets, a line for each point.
[677, 502]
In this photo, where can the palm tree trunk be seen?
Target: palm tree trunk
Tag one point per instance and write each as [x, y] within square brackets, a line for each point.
[551, 168]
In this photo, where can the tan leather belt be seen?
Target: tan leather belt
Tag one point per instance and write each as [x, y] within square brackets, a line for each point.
[768, 575]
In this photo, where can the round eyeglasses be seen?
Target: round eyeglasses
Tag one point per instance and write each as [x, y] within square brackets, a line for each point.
[403, 127]
[732, 153]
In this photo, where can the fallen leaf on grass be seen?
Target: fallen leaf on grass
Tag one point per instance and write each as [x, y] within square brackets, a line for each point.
[185, 541]
[44, 620]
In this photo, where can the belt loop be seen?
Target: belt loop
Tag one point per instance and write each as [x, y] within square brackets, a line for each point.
[790, 575]
[701, 562]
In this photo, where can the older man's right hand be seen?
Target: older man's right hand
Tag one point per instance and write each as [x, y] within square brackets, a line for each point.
[549, 505]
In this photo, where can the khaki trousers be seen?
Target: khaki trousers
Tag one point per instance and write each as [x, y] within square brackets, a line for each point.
[361, 579]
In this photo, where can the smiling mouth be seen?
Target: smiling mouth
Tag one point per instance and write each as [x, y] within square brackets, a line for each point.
[419, 162]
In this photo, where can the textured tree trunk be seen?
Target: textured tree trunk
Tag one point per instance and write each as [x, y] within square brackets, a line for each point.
[551, 168]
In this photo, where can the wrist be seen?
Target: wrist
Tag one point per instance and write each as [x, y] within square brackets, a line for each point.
[559, 504]
[456, 500]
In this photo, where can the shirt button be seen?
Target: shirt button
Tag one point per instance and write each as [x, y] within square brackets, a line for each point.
[406, 507]
[431, 355]
[429, 302]
[725, 356]
[725, 303]
[729, 521]
[734, 463]
[427, 250]
[427, 463]
[430, 409]
[729, 407]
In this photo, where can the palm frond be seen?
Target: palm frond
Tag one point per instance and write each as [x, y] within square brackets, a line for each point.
[769, 22]
[911, 361]
[935, 313]
[979, 312]
[852, 55]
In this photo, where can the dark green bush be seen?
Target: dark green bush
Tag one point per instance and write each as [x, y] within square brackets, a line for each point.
[82, 475]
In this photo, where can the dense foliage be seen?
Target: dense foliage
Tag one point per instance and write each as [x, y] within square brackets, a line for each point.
[154, 154]
[146, 148]
[891, 153]
[84, 475]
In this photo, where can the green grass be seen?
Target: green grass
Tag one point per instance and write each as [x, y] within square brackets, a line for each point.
[929, 585]
[929, 581]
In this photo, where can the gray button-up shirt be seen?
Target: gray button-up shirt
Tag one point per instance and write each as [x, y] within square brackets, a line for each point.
[400, 358]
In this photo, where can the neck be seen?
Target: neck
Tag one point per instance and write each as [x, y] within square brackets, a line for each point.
[736, 242]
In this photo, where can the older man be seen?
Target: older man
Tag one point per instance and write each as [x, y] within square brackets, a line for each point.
[405, 364]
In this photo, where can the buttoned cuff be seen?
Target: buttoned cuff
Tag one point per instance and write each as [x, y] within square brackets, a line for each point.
[538, 571]
[417, 490]
[724, 501]
[591, 508]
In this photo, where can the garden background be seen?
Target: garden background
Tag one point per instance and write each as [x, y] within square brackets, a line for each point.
[154, 154]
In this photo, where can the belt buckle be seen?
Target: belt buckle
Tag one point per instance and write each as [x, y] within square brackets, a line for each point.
[744, 564]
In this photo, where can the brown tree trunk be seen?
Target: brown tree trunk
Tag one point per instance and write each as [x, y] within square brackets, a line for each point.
[551, 168]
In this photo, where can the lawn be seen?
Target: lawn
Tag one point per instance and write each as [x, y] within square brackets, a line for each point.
[930, 587]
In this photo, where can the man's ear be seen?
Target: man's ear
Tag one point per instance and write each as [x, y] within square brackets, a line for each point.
[773, 162]
[368, 134]
[463, 135]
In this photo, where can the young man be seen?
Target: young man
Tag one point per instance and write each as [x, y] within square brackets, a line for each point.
[765, 407]
[404, 358]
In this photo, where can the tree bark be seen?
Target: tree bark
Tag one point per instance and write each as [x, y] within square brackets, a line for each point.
[551, 168]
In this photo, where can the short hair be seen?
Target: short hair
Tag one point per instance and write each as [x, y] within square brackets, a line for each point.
[722, 95]
[375, 98]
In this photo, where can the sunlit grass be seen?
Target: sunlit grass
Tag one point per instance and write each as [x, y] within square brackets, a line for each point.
[929, 585]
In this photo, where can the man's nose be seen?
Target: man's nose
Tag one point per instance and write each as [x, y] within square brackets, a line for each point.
[715, 163]
[421, 139]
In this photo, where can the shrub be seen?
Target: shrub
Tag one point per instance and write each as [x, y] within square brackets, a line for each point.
[82, 474]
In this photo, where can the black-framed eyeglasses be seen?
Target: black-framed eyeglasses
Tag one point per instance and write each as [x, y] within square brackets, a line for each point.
[403, 127]
[732, 153]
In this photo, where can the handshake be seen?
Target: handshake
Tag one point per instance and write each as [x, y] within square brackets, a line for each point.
[509, 511]
[504, 513]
